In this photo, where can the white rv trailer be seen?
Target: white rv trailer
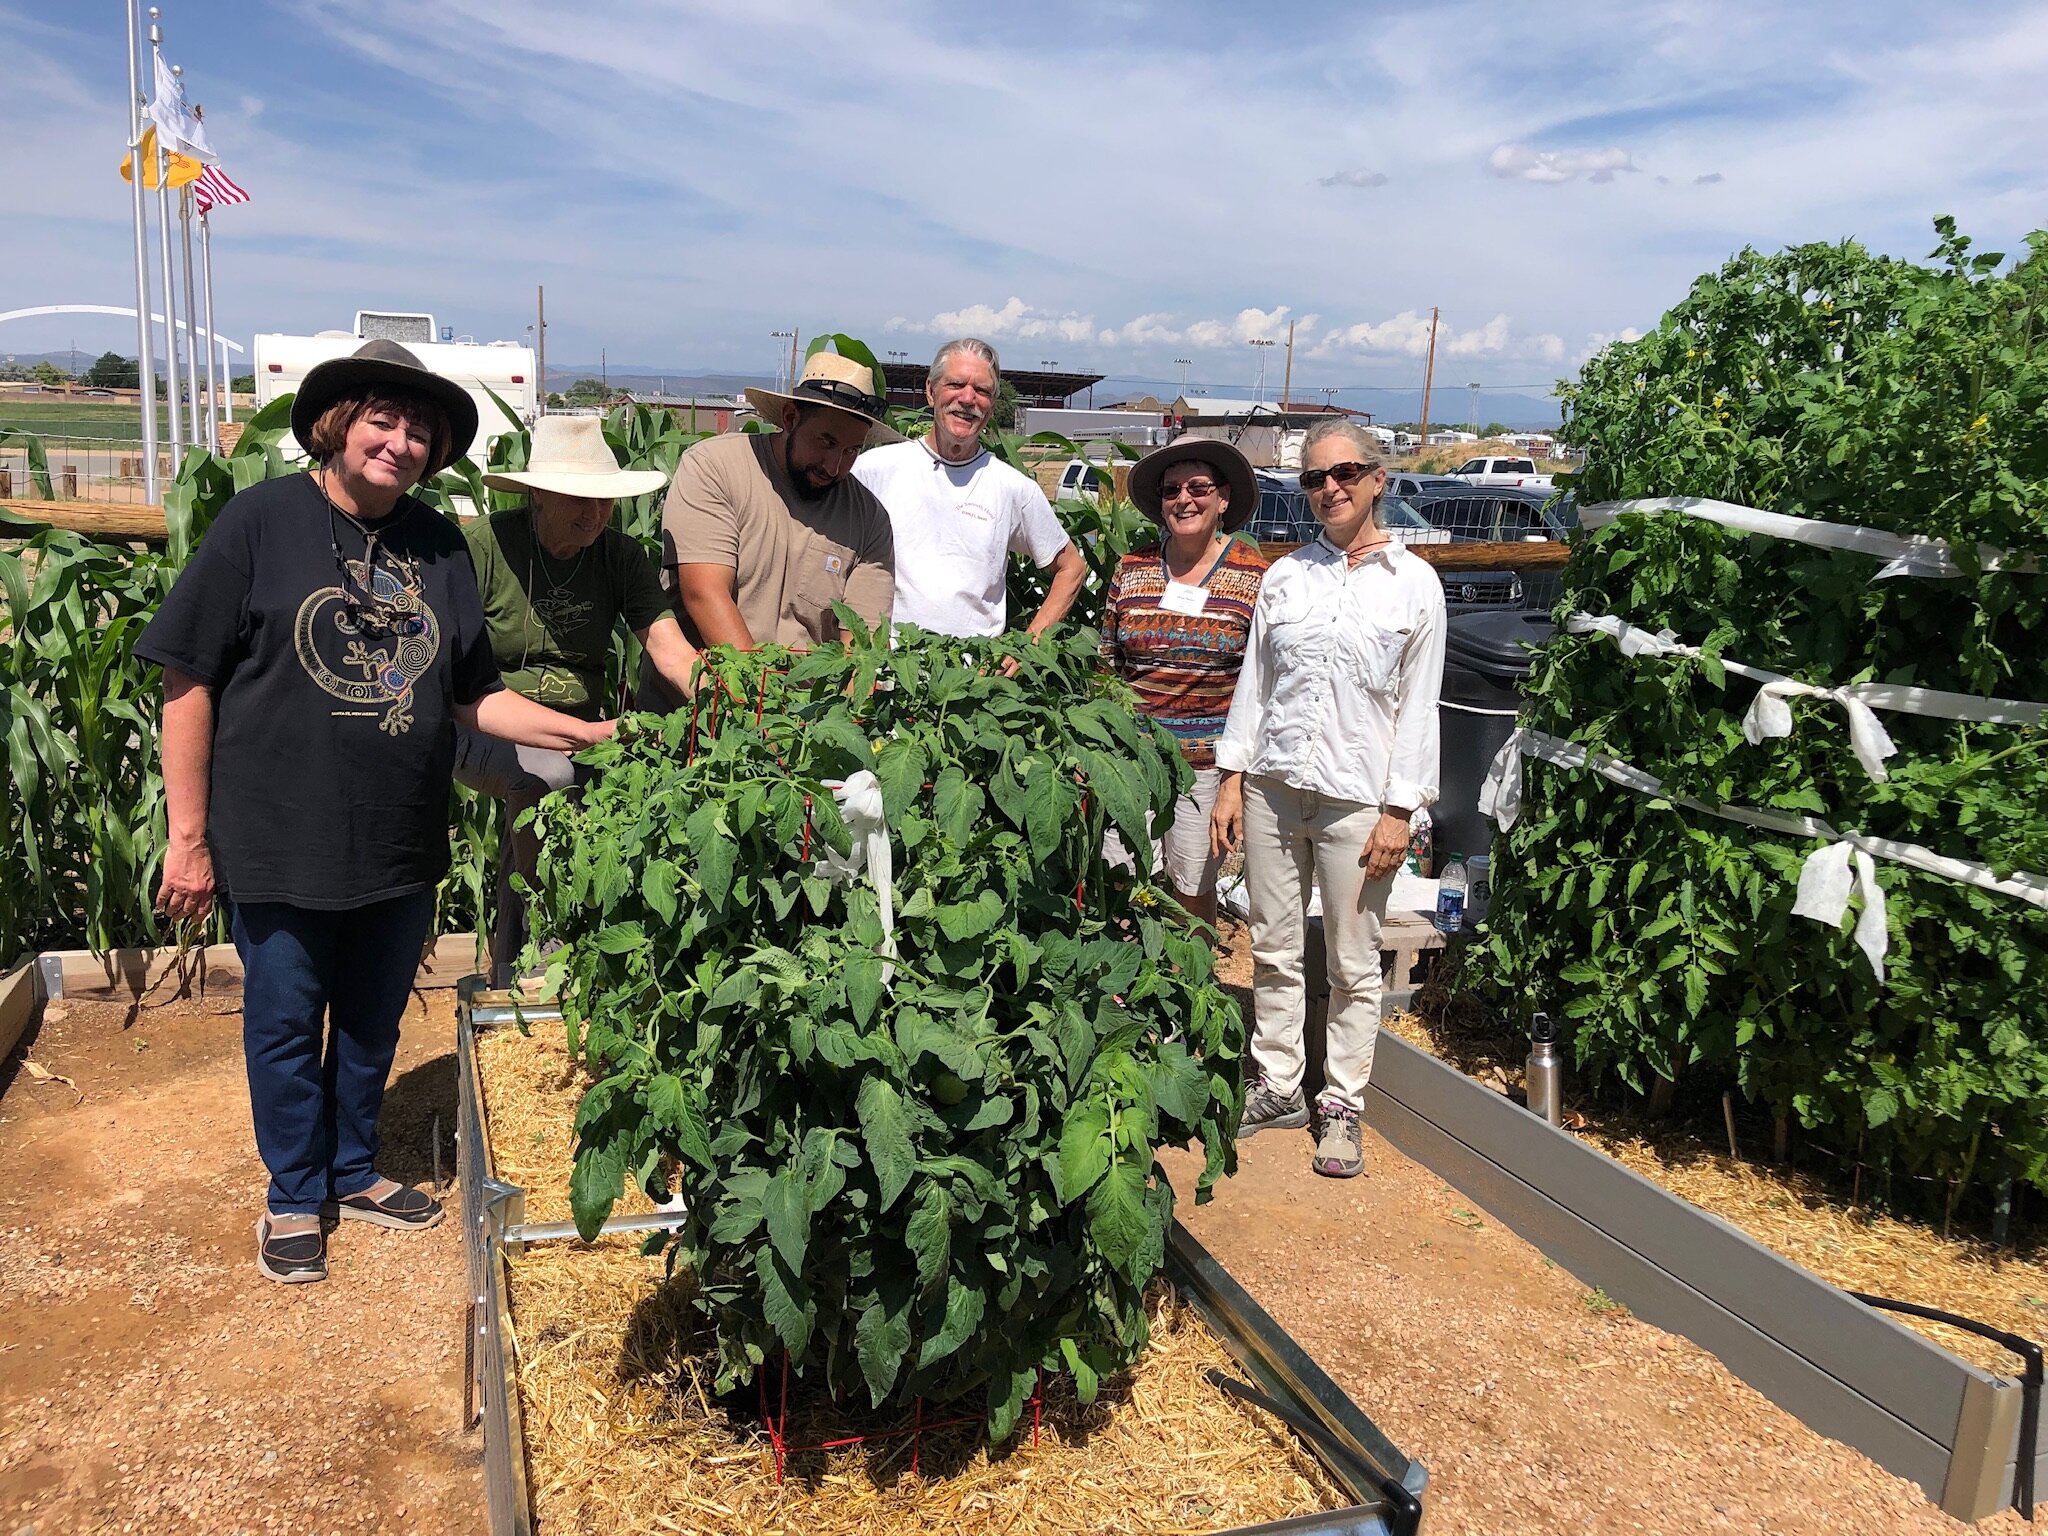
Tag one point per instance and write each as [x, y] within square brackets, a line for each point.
[504, 368]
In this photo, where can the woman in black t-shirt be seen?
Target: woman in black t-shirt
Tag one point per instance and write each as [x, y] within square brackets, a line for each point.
[318, 653]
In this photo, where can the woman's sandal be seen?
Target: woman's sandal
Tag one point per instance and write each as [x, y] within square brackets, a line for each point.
[295, 1258]
[404, 1207]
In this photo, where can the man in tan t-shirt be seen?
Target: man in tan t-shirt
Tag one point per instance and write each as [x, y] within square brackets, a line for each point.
[762, 533]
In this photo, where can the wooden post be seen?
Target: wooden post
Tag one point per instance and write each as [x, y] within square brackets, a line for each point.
[6, 483]
[540, 335]
[1287, 379]
[69, 477]
[1428, 378]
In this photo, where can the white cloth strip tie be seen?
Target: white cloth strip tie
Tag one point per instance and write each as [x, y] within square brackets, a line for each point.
[1914, 554]
[859, 800]
[1474, 709]
[1500, 798]
[1770, 716]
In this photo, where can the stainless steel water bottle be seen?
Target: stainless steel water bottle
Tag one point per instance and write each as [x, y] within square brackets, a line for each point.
[1545, 1071]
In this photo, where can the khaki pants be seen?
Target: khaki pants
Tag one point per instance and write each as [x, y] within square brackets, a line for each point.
[1293, 837]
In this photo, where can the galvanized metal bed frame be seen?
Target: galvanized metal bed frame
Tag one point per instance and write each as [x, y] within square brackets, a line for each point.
[1386, 1485]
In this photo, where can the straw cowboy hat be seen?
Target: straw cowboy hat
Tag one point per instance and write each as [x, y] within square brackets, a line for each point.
[569, 455]
[1233, 466]
[385, 363]
[840, 382]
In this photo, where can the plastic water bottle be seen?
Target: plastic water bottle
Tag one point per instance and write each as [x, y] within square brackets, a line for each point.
[1450, 895]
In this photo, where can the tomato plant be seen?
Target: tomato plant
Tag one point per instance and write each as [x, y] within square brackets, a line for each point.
[1821, 382]
[931, 1185]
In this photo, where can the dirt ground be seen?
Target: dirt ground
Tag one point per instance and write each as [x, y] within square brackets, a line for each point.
[151, 1380]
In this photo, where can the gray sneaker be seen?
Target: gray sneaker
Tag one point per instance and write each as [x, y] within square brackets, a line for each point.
[1266, 1110]
[1341, 1152]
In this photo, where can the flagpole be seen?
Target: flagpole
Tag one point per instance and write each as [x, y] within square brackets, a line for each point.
[219, 406]
[163, 235]
[191, 317]
[146, 359]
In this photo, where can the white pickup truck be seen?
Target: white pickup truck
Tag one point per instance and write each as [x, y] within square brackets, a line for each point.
[1488, 471]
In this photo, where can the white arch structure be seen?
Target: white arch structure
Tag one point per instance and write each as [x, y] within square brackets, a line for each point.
[115, 309]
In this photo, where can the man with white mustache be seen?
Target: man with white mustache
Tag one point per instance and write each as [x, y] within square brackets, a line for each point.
[959, 512]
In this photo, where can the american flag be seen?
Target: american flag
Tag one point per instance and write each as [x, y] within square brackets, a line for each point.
[213, 186]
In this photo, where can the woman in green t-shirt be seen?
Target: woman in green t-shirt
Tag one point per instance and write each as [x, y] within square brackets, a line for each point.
[557, 579]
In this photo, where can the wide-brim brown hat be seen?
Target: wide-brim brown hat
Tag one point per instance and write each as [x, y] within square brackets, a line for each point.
[388, 364]
[569, 455]
[1235, 468]
[840, 382]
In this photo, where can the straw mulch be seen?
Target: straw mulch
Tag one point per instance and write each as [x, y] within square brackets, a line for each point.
[1810, 1220]
[623, 1432]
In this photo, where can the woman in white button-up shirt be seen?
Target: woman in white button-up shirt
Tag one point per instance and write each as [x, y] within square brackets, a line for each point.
[1330, 746]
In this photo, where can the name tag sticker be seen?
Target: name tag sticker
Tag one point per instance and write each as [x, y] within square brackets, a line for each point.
[834, 565]
[1179, 597]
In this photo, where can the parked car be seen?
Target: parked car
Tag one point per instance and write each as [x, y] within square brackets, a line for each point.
[1502, 471]
[1412, 488]
[1284, 516]
[1479, 514]
[1491, 514]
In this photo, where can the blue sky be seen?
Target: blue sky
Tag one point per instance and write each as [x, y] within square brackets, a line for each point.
[1110, 185]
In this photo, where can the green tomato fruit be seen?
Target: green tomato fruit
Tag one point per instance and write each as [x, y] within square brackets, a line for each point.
[948, 1089]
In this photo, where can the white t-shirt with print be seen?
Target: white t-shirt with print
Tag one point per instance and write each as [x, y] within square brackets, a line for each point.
[956, 526]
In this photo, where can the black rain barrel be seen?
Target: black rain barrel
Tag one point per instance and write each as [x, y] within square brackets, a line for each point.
[1486, 661]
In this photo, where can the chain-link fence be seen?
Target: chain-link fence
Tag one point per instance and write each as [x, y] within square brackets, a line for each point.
[76, 469]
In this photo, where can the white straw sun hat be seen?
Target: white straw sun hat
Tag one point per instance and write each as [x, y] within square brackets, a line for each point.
[570, 456]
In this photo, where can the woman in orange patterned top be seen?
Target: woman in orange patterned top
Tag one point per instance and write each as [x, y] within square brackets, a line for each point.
[1176, 624]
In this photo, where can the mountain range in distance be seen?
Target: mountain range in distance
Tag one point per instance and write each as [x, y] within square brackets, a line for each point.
[1449, 408]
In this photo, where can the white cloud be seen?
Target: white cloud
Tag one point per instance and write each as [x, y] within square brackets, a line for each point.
[1520, 162]
[252, 107]
[1601, 339]
[1015, 320]
[1356, 178]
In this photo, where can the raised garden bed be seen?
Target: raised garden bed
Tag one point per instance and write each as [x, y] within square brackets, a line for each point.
[1845, 1368]
[594, 1418]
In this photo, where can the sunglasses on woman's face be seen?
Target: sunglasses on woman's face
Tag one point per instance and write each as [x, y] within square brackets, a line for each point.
[1349, 473]
[1195, 488]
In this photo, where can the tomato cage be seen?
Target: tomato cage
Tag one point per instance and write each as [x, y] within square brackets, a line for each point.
[1384, 1487]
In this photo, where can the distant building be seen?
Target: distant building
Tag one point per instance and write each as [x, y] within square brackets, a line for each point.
[697, 413]
[1033, 386]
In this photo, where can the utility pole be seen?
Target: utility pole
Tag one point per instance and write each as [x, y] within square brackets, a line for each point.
[784, 385]
[604, 368]
[795, 336]
[540, 362]
[1475, 408]
[1428, 377]
[1287, 383]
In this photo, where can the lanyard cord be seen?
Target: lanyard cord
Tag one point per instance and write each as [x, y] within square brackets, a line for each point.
[1166, 573]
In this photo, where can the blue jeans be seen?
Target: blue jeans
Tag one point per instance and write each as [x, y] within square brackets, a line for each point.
[322, 994]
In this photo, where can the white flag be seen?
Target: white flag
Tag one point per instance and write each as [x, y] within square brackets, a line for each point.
[176, 123]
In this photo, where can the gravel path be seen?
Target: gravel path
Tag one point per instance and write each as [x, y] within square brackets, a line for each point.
[152, 1381]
